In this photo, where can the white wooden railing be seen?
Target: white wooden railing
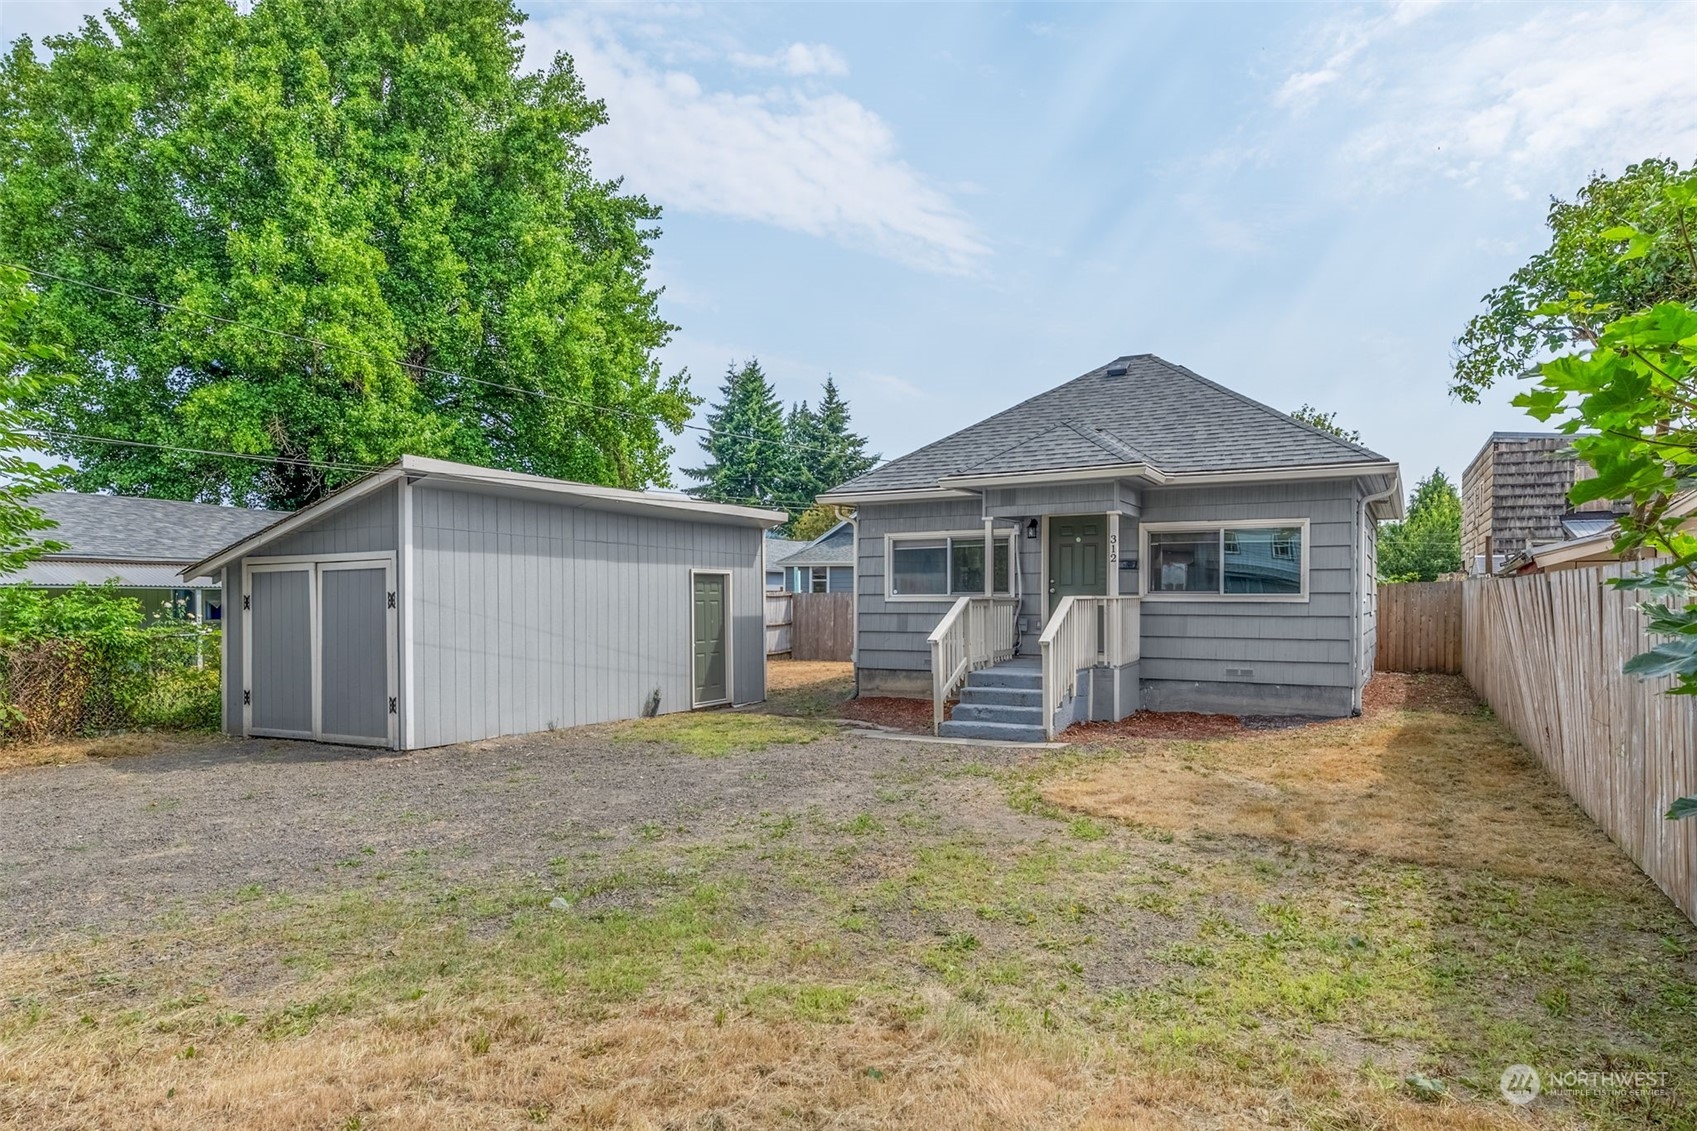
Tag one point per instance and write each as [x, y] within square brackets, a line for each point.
[1084, 632]
[977, 632]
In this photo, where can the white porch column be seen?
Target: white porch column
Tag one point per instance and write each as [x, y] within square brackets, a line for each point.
[1113, 553]
[990, 557]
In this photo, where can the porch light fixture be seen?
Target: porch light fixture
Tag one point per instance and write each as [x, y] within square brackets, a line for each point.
[1031, 529]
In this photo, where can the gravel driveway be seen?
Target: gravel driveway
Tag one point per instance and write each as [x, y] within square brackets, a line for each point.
[107, 844]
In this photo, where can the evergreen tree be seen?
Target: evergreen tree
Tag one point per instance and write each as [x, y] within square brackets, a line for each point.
[748, 455]
[837, 454]
[1428, 544]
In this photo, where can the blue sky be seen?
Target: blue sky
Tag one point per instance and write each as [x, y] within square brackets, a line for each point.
[950, 208]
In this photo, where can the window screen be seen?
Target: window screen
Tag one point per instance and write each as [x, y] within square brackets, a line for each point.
[919, 568]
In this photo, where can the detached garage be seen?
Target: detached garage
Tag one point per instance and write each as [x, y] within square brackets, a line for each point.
[436, 602]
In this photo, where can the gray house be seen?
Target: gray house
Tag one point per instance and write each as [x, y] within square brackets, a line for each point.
[435, 602]
[1137, 537]
[139, 545]
[824, 565]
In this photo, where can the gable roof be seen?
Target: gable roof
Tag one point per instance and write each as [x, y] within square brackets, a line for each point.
[835, 547]
[125, 528]
[778, 550]
[495, 481]
[1136, 410]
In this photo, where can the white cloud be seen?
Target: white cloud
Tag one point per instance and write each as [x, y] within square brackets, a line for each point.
[1558, 92]
[815, 162]
[799, 59]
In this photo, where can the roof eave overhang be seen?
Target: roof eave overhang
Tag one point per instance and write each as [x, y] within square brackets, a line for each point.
[420, 469]
[965, 486]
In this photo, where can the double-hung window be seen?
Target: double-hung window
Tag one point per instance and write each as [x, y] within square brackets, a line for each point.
[1259, 559]
[939, 566]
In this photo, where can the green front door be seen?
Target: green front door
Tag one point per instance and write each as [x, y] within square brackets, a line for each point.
[710, 639]
[1077, 557]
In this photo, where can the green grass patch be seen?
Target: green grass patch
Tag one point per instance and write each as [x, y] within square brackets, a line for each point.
[718, 734]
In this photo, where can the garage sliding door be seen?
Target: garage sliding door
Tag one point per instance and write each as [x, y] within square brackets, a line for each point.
[319, 650]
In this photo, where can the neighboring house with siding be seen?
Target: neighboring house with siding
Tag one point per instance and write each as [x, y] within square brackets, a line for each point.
[824, 565]
[1514, 499]
[1219, 555]
[435, 602]
[777, 549]
[140, 546]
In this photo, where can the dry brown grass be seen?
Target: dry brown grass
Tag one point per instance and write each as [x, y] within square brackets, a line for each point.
[792, 675]
[1441, 786]
[663, 1064]
[63, 751]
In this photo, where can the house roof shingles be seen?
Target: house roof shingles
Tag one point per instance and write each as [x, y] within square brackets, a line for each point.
[835, 547]
[1155, 412]
[126, 528]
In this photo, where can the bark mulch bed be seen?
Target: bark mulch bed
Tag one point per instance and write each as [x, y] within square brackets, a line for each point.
[912, 715]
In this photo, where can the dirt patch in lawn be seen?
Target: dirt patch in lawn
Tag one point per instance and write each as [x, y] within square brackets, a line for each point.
[68, 750]
[1439, 786]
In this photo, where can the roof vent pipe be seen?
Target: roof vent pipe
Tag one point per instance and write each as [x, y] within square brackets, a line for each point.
[1117, 369]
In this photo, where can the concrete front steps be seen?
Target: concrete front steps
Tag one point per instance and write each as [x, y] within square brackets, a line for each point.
[1003, 703]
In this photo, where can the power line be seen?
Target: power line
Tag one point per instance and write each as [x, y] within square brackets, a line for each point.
[418, 367]
[54, 433]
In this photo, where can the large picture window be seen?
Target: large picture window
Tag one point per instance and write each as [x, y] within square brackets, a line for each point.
[948, 565]
[1227, 560]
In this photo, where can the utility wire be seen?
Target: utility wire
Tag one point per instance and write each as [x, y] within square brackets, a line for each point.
[418, 367]
[59, 434]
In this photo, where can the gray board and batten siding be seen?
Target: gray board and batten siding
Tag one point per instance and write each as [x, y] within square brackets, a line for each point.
[530, 614]
[521, 604]
[1236, 655]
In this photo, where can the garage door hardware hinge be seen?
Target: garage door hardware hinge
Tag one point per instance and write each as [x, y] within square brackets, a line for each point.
[247, 698]
[391, 600]
[391, 704]
[247, 601]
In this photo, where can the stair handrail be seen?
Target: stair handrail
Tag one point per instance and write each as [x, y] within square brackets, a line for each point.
[975, 633]
[1084, 632]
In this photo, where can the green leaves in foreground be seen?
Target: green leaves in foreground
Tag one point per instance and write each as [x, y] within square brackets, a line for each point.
[1684, 807]
[1626, 395]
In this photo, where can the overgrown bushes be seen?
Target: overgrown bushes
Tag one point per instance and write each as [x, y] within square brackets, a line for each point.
[85, 661]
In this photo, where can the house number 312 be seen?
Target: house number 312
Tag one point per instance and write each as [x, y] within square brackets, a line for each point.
[1113, 549]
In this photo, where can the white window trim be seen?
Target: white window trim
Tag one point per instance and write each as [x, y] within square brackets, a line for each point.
[1148, 571]
[1009, 536]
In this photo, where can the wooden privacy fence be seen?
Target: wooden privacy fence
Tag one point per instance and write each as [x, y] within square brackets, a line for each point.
[823, 627]
[1545, 652]
[1419, 627]
[778, 623]
[810, 626]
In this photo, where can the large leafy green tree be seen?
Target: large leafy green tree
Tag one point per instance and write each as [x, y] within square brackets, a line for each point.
[1427, 544]
[746, 443]
[1325, 422]
[1627, 394]
[25, 373]
[1526, 318]
[328, 232]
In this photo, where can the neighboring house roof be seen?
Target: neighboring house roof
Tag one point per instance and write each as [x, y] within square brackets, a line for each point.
[835, 547]
[778, 550]
[1139, 410]
[137, 543]
[1585, 525]
[1590, 547]
[126, 528]
[495, 481]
